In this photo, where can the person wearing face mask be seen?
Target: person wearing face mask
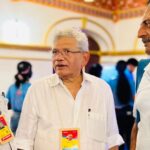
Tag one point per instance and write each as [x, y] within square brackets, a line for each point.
[141, 129]
[17, 91]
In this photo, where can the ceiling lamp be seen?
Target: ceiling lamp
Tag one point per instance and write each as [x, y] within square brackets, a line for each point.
[89, 1]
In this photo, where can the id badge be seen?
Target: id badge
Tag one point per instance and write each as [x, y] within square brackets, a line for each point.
[6, 134]
[69, 139]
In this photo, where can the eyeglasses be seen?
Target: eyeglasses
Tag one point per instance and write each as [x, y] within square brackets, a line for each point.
[64, 52]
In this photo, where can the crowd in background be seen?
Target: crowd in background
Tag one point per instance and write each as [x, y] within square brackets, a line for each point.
[123, 88]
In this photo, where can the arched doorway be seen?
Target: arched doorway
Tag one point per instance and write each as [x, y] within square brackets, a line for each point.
[93, 45]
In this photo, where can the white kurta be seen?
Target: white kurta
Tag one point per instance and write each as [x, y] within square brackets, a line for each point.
[49, 106]
[142, 104]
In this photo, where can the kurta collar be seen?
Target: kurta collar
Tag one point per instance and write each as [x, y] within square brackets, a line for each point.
[55, 80]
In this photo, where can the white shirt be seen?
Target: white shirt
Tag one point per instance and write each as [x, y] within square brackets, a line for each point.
[49, 106]
[142, 104]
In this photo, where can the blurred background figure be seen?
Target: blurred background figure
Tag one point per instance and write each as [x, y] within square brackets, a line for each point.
[122, 95]
[132, 64]
[96, 70]
[17, 91]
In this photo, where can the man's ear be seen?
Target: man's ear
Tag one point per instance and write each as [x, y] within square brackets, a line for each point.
[86, 57]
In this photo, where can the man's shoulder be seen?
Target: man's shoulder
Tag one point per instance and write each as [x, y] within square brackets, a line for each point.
[96, 81]
[142, 64]
[50, 79]
[144, 61]
[12, 86]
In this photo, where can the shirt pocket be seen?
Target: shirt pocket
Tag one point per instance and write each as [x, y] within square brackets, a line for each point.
[96, 128]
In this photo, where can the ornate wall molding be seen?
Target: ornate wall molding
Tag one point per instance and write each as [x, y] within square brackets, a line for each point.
[25, 47]
[114, 15]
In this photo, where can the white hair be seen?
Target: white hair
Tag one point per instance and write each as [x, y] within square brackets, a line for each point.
[76, 33]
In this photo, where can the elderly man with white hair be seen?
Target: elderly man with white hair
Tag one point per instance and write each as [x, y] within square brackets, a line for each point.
[69, 103]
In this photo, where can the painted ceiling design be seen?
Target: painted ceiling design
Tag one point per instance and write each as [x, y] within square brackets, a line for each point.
[110, 9]
[114, 4]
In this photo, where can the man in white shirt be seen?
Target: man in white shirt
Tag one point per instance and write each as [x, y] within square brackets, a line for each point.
[69, 103]
[141, 130]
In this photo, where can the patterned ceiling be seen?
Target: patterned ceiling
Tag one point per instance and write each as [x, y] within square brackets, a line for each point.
[110, 9]
[114, 4]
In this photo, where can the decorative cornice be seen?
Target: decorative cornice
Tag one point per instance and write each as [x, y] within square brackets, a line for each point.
[24, 47]
[118, 53]
[90, 10]
[24, 58]
[132, 13]
[93, 52]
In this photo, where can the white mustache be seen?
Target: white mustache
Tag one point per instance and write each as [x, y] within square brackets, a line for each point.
[57, 63]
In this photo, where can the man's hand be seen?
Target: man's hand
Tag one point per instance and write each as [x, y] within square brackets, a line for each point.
[133, 136]
[114, 148]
